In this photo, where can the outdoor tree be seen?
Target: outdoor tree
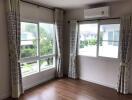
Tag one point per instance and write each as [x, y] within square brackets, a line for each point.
[31, 28]
[46, 44]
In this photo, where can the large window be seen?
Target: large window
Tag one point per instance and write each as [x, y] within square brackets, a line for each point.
[98, 39]
[37, 47]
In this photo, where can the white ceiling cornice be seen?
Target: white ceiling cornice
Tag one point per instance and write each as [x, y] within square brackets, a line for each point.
[69, 4]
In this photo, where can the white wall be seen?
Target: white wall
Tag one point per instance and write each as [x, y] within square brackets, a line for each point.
[4, 68]
[116, 10]
[38, 78]
[103, 71]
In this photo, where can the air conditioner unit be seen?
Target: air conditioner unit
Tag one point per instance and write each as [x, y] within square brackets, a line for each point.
[97, 12]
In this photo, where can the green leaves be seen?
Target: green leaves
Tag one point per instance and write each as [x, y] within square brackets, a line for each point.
[88, 42]
[46, 42]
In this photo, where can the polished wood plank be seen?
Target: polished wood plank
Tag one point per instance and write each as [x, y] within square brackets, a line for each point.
[68, 89]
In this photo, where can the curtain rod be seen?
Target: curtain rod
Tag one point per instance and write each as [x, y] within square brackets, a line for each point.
[96, 19]
[37, 4]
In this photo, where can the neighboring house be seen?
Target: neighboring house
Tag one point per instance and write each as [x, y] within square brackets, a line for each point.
[110, 34]
[85, 35]
[27, 39]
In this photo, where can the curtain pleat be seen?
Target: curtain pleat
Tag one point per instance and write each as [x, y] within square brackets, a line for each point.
[125, 54]
[13, 22]
[58, 16]
[73, 69]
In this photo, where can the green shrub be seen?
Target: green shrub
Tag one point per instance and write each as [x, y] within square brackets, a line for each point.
[27, 52]
[92, 42]
[82, 44]
[88, 42]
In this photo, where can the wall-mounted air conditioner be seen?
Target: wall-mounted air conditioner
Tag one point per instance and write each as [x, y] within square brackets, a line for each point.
[97, 12]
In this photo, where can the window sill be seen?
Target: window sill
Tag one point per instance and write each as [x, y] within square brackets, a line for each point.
[87, 56]
[48, 68]
[29, 74]
[42, 70]
[108, 58]
[98, 57]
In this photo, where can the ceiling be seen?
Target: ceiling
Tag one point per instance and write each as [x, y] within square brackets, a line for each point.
[69, 4]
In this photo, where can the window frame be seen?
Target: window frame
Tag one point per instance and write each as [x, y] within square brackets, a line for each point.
[100, 22]
[39, 57]
[87, 22]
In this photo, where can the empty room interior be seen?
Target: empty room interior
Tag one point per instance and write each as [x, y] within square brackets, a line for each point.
[65, 49]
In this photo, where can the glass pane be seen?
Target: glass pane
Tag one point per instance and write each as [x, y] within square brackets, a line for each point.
[46, 63]
[29, 68]
[108, 49]
[28, 31]
[88, 39]
[110, 36]
[109, 32]
[46, 38]
[28, 39]
[28, 48]
[116, 36]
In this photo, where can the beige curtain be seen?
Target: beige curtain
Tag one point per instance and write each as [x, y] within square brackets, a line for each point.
[125, 55]
[58, 16]
[73, 69]
[13, 22]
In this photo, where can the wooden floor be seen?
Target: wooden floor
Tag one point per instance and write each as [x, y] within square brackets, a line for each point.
[68, 89]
